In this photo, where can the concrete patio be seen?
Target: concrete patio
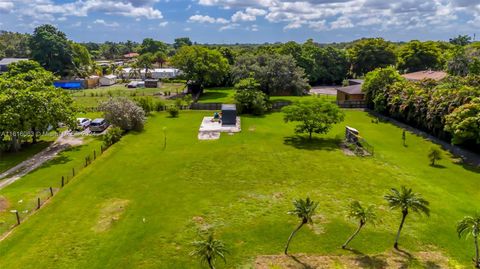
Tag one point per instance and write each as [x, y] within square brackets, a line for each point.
[210, 130]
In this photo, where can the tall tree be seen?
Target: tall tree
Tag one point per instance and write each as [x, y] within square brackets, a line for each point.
[362, 215]
[277, 74]
[14, 45]
[30, 104]
[315, 116]
[181, 41]
[461, 40]
[471, 225]
[81, 60]
[149, 45]
[406, 200]
[464, 122]
[145, 61]
[416, 56]
[304, 210]
[371, 53]
[202, 66]
[376, 86]
[51, 48]
[160, 57]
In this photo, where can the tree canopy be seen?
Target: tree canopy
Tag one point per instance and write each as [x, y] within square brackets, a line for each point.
[416, 56]
[51, 48]
[371, 53]
[314, 116]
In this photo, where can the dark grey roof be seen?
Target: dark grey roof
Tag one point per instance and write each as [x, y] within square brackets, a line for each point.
[355, 81]
[229, 107]
[7, 61]
[354, 89]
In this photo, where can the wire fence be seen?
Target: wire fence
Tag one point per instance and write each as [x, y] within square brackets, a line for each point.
[26, 208]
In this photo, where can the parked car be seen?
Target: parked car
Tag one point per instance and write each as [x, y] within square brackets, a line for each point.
[136, 84]
[98, 125]
[83, 123]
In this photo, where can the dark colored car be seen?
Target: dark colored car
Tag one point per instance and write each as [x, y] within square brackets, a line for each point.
[98, 125]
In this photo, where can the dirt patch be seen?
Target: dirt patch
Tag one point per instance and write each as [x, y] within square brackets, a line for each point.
[69, 140]
[4, 204]
[393, 259]
[110, 213]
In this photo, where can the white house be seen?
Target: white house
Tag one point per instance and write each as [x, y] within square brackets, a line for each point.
[108, 80]
[6, 61]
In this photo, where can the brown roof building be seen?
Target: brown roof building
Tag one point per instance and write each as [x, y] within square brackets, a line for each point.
[351, 96]
[427, 74]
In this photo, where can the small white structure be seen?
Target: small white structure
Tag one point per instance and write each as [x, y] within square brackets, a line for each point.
[156, 73]
[108, 80]
[210, 129]
[6, 61]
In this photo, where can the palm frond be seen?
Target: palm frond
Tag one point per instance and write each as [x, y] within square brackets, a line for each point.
[469, 226]
[208, 249]
[406, 199]
[304, 209]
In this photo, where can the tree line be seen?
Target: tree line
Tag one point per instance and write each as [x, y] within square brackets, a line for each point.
[448, 109]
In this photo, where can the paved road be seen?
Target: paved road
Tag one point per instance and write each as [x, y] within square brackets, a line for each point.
[15, 173]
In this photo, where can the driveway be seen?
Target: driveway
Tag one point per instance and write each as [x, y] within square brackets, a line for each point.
[324, 90]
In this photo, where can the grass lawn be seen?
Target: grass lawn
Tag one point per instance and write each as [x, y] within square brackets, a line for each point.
[226, 95]
[140, 206]
[91, 97]
[10, 159]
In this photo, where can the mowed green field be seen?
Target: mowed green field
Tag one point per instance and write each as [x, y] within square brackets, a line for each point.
[140, 206]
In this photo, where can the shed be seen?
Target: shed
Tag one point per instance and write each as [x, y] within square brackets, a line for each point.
[6, 61]
[353, 92]
[108, 80]
[229, 114]
[92, 82]
[151, 83]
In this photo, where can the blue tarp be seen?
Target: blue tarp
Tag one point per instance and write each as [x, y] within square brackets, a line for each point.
[69, 84]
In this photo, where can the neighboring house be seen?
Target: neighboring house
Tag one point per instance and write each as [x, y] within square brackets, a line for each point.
[351, 96]
[131, 55]
[6, 61]
[108, 80]
[426, 74]
[155, 73]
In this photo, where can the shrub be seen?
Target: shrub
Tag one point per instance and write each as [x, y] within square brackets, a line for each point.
[434, 154]
[146, 103]
[249, 98]
[173, 111]
[112, 136]
[159, 105]
[123, 113]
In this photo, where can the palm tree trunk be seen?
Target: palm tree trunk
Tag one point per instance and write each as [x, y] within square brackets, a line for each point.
[404, 215]
[291, 236]
[353, 235]
[477, 258]
[209, 260]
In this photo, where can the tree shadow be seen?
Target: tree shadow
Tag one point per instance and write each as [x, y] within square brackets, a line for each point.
[315, 143]
[439, 166]
[432, 265]
[300, 262]
[366, 261]
[213, 95]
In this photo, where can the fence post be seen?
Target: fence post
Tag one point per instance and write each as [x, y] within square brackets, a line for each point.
[18, 217]
[38, 203]
[86, 161]
[63, 181]
[73, 172]
[94, 155]
[51, 191]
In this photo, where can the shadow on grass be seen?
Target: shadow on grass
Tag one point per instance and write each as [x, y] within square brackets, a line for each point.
[438, 166]
[302, 263]
[366, 261]
[212, 96]
[315, 143]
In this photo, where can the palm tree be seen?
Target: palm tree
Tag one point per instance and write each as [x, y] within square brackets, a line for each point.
[303, 209]
[406, 200]
[208, 249]
[160, 58]
[471, 225]
[362, 215]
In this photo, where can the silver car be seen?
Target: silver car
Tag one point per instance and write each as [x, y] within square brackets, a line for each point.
[98, 125]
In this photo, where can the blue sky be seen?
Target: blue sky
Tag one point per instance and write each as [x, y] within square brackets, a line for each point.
[245, 21]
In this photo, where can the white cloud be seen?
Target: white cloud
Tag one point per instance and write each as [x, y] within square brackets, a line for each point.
[6, 6]
[341, 14]
[250, 14]
[163, 24]
[229, 27]
[81, 8]
[206, 19]
[104, 23]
